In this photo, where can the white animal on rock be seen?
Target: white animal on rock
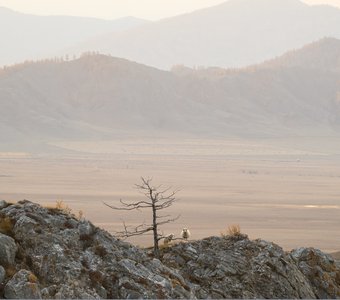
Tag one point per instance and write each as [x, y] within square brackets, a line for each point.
[185, 234]
[168, 239]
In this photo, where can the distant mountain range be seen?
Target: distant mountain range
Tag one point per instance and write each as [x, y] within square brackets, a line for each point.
[236, 33]
[26, 37]
[100, 97]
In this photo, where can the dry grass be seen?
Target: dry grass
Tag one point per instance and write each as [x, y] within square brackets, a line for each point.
[175, 282]
[10, 271]
[63, 207]
[6, 225]
[32, 278]
[60, 205]
[232, 230]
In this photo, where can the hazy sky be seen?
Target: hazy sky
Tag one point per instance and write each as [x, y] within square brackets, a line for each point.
[110, 9]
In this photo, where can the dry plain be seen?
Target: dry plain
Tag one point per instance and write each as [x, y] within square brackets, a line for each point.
[282, 190]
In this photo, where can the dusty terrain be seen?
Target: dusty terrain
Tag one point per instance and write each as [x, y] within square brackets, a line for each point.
[282, 190]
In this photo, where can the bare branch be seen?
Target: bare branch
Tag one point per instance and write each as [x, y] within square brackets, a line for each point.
[169, 220]
[135, 204]
[132, 206]
[164, 205]
[162, 217]
[134, 231]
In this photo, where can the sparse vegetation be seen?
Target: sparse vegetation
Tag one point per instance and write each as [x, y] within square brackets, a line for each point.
[63, 207]
[232, 230]
[60, 206]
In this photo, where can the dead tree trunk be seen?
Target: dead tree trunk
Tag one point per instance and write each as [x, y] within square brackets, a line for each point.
[158, 199]
[155, 231]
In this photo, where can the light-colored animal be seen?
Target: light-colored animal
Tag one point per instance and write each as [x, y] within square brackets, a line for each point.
[168, 239]
[185, 234]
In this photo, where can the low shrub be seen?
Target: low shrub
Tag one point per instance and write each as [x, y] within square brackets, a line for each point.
[232, 230]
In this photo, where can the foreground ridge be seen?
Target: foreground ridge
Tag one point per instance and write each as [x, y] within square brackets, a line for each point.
[48, 253]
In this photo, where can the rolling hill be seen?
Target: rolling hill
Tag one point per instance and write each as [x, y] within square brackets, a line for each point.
[101, 97]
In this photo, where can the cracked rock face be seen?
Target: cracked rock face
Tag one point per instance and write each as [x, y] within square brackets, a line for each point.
[52, 255]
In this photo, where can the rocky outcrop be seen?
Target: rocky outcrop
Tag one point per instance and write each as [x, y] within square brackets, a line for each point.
[74, 259]
[55, 256]
[235, 267]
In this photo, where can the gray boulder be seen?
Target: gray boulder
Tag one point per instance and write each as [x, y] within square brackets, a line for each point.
[8, 250]
[23, 285]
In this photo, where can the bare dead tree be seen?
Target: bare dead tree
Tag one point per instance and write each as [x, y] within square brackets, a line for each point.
[157, 198]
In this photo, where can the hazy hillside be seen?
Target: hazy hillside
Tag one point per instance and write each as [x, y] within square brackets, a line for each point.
[26, 36]
[233, 34]
[101, 97]
[323, 54]
[299, 90]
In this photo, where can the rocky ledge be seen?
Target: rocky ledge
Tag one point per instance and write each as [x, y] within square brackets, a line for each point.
[48, 253]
